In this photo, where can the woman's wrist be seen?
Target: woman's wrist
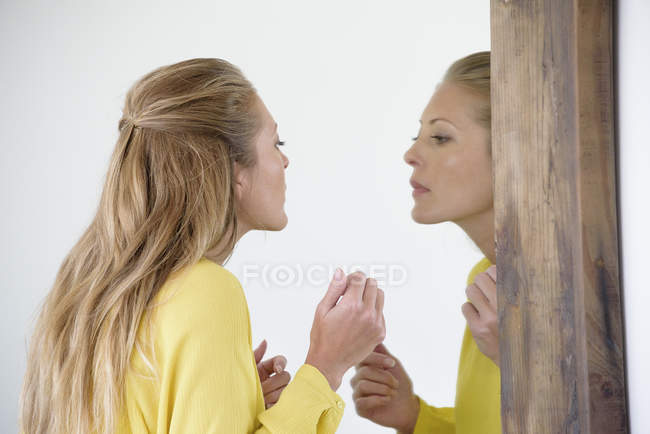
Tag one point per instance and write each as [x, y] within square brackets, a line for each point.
[412, 418]
[332, 376]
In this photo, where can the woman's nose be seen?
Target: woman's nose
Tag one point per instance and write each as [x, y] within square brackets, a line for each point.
[410, 156]
[286, 160]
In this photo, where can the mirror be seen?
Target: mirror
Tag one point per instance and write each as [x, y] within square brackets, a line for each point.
[346, 83]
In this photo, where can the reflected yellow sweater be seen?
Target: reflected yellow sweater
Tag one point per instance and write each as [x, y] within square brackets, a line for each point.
[478, 391]
[207, 380]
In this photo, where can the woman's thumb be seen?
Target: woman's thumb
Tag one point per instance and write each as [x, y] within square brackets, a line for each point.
[381, 349]
[259, 351]
[335, 290]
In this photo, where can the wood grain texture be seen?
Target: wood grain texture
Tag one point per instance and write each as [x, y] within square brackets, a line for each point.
[561, 337]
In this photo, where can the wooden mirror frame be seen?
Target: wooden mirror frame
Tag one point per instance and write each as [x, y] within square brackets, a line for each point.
[560, 315]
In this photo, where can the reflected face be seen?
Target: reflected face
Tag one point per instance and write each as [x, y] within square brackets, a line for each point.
[260, 189]
[452, 167]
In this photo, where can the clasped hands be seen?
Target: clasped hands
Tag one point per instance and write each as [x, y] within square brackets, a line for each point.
[348, 324]
[383, 392]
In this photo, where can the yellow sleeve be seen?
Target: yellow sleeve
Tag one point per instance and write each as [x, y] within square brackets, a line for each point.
[307, 405]
[209, 379]
[442, 420]
[435, 420]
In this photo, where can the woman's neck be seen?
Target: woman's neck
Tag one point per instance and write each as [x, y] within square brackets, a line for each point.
[480, 228]
[220, 253]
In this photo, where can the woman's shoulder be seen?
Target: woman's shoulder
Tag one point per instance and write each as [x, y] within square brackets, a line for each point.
[207, 270]
[204, 290]
[205, 277]
[479, 267]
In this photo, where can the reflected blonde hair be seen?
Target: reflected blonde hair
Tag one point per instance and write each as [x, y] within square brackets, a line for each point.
[473, 73]
[168, 198]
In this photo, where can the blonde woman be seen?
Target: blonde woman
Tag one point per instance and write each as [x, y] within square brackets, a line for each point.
[452, 181]
[144, 331]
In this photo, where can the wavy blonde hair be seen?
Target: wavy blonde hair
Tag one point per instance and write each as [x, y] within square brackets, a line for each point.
[168, 199]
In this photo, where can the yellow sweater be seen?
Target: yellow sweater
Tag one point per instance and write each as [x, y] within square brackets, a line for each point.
[478, 391]
[207, 380]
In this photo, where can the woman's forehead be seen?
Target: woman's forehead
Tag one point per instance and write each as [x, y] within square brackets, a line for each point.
[268, 124]
[452, 103]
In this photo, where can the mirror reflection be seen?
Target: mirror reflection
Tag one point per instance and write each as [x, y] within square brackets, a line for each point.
[268, 216]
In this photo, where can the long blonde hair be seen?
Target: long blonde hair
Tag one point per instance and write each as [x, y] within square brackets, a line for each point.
[168, 199]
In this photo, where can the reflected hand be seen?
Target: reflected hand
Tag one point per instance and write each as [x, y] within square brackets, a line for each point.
[272, 375]
[383, 392]
[481, 313]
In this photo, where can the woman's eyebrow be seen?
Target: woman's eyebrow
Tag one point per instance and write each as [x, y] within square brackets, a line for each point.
[432, 121]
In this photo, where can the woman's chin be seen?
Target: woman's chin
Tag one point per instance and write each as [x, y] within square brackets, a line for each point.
[283, 225]
[279, 224]
[422, 216]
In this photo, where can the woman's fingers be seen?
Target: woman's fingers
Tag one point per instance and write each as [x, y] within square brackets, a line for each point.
[272, 397]
[273, 386]
[367, 387]
[336, 289]
[481, 315]
[276, 382]
[378, 360]
[367, 403]
[477, 298]
[370, 293]
[270, 366]
[374, 374]
[381, 349]
[379, 305]
[470, 313]
[488, 287]
[279, 363]
[259, 351]
[344, 335]
[492, 271]
[356, 286]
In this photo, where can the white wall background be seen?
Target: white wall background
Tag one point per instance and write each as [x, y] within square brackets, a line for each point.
[633, 107]
[346, 82]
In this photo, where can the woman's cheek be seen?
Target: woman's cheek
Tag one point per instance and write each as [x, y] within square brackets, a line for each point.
[451, 161]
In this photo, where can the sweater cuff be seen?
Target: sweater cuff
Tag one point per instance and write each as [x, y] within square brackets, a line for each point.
[434, 419]
[307, 404]
[317, 380]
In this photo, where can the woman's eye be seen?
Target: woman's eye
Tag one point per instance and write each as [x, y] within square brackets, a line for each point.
[414, 138]
[279, 143]
[440, 139]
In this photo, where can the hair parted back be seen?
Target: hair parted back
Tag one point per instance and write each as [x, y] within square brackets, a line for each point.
[473, 73]
[168, 198]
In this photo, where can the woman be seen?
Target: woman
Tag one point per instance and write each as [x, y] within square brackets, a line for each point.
[144, 330]
[452, 181]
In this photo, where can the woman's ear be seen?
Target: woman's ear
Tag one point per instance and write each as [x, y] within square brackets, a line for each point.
[241, 180]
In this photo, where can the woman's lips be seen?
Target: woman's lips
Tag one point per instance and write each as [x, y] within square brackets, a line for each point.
[418, 188]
